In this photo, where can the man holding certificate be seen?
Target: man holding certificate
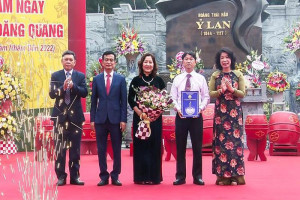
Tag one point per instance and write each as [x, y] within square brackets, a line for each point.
[190, 95]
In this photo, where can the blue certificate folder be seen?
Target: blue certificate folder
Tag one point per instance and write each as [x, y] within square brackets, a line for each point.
[190, 103]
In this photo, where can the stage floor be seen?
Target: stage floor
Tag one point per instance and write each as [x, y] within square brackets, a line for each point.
[276, 179]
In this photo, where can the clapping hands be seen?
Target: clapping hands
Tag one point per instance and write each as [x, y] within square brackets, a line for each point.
[226, 85]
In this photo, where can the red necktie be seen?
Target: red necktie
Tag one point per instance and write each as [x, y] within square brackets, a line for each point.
[188, 82]
[107, 83]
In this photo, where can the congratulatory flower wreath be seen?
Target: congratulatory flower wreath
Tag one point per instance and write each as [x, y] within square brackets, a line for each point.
[277, 82]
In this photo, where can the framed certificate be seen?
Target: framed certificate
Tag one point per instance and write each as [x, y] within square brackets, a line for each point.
[190, 103]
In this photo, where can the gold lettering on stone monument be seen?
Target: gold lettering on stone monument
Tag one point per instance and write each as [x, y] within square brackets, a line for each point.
[213, 23]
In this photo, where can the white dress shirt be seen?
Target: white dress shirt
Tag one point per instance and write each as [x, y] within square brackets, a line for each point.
[110, 78]
[198, 83]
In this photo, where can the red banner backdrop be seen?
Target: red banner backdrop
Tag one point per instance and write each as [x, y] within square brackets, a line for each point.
[77, 26]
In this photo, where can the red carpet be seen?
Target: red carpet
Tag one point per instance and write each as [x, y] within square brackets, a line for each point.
[276, 179]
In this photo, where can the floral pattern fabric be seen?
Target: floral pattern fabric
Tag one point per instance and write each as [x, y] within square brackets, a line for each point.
[228, 158]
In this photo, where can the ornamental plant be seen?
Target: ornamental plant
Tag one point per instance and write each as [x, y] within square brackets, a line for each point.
[292, 41]
[129, 42]
[253, 69]
[277, 82]
[177, 68]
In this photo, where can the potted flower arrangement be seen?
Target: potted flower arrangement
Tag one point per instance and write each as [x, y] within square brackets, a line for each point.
[177, 68]
[292, 41]
[253, 69]
[129, 42]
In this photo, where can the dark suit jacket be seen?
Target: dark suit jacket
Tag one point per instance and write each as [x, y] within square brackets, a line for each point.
[61, 111]
[112, 106]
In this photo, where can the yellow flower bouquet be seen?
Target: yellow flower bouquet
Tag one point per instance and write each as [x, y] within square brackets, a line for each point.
[11, 87]
[8, 127]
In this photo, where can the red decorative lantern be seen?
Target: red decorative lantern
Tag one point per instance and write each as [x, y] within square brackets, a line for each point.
[256, 127]
[284, 133]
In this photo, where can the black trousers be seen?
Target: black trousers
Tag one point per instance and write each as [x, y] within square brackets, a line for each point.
[195, 127]
[102, 131]
[68, 136]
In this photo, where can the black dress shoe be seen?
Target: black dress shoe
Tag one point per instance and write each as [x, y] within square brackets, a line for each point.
[140, 182]
[116, 182]
[76, 182]
[61, 182]
[179, 182]
[102, 183]
[198, 181]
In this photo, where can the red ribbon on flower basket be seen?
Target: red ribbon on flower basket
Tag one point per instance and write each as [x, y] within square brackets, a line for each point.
[144, 131]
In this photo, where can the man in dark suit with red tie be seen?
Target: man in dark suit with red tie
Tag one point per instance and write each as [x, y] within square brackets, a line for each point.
[67, 87]
[109, 116]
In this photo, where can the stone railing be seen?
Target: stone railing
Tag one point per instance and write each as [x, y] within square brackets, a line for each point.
[256, 94]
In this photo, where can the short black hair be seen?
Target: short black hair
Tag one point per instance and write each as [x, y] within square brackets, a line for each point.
[188, 53]
[109, 53]
[230, 54]
[69, 52]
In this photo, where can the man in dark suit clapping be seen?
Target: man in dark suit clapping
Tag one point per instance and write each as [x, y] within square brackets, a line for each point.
[109, 115]
[67, 87]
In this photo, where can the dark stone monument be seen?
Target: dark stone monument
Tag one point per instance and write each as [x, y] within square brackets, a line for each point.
[212, 24]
